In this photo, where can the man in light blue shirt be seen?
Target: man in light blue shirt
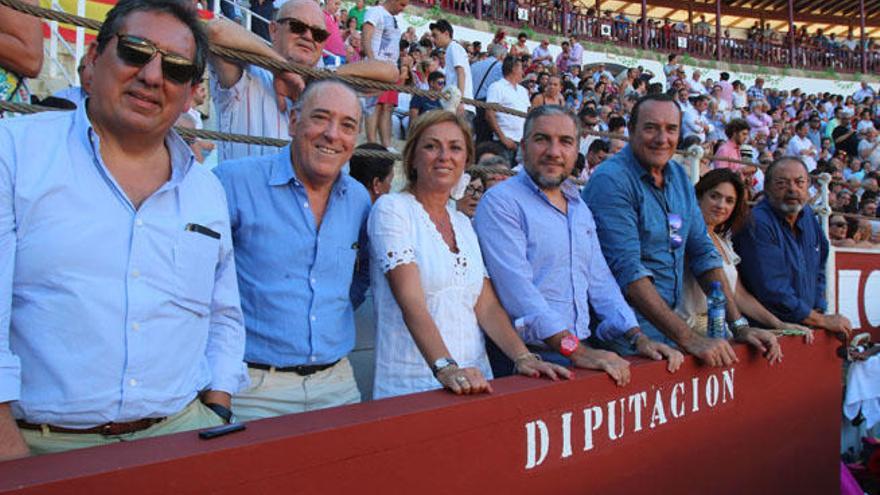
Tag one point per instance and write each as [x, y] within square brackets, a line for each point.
[118, 297]
[540, 247]
[297, 226]
[649, 222]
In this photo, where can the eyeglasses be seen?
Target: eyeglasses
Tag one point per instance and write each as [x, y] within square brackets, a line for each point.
[675, 223]
[138, 52]
[298, 27]
[474, 192]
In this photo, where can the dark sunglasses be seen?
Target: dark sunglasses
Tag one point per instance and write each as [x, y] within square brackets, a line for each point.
[298, 27]
[675, 223]
[838, 224]
[139, 51]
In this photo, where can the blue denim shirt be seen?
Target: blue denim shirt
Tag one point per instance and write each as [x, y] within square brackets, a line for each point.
[546, 265]
[109, 312]
[632, 216]
[783, 269]
[296, 280]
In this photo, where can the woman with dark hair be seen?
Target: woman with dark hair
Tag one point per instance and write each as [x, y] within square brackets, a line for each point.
[721, 196]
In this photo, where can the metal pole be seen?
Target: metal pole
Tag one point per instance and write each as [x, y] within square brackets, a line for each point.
[80, 33]
[718, 30]
[644, 24]
[824, 212]
[692, 158]
[864, 45]
[791, 33]
[690, 16]
[53, 47]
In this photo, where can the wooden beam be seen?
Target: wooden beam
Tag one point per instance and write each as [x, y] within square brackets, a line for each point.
[810, 5]
[848, 7]
[799, 18]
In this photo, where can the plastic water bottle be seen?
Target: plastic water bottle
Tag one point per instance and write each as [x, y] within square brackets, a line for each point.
[717, 305]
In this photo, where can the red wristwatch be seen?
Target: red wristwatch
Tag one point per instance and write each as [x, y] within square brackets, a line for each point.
[568, 345]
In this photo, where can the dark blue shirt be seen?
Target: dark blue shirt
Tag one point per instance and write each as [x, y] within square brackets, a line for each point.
[782, 268]
[633, 222]
[424, 104]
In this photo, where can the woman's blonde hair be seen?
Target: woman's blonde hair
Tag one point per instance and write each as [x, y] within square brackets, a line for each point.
[422, 124]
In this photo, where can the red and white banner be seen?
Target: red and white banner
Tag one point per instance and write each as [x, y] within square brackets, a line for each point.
[858, 288]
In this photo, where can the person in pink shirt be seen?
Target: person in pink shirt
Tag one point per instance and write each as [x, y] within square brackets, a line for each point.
[335, 44]
[737, 131]
[726, 88]
[759, 122]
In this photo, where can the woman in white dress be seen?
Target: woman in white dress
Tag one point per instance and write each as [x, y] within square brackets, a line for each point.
[721, 195]
[430, 288]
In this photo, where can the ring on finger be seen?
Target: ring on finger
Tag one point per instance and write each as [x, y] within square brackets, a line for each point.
[461, 379]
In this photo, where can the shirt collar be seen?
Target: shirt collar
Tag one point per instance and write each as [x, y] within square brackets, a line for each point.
[642, 172]
[779, 216]
[180, 153]
[282, 172]
[569, 190]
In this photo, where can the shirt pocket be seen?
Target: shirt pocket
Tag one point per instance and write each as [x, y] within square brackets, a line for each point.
[195, 260]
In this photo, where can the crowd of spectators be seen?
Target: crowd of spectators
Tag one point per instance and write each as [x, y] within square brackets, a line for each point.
[575, 237]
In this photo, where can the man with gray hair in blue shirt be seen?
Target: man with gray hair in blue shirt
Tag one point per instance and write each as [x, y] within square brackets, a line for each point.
[298, 223]
[540, 248]
[650, 226]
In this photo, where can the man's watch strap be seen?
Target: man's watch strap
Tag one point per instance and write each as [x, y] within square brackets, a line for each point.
[737, 324]
[442, 363]
[224, 412]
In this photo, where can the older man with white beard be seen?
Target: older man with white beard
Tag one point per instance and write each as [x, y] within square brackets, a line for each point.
[783, 250]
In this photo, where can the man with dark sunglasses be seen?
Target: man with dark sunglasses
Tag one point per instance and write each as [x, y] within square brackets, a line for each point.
[252, 100]
[651, 230]
[142, 314]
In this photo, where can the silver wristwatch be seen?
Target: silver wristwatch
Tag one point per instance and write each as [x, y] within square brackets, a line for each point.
[441, 363]
[737, 324]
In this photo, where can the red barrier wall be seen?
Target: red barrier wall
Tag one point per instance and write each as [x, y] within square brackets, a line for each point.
[750, 429]
[858, 288]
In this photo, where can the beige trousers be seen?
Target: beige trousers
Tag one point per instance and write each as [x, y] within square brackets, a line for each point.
[273, 393]
[194, 416]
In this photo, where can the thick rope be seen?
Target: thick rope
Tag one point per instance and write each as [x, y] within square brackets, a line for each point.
[186, 132]
[265, 62]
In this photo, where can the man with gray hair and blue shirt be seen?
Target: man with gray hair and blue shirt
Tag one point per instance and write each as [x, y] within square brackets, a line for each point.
[651, 229]
[540, 248]
[119, 308]
[298, 224]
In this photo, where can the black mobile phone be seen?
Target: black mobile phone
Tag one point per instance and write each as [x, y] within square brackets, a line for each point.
[219, 431]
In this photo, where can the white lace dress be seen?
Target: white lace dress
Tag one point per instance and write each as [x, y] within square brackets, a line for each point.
[401, 232]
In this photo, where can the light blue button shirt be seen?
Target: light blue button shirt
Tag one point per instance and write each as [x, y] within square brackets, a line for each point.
[296, 280]
[108, 313]
[546, 265]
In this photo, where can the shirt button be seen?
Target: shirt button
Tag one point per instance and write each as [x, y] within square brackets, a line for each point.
[313, 318]
[305, 205]
[313, 280]
[312, 358]
[133, 382]
[135, 273]
[135, 326]
[139, 222]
